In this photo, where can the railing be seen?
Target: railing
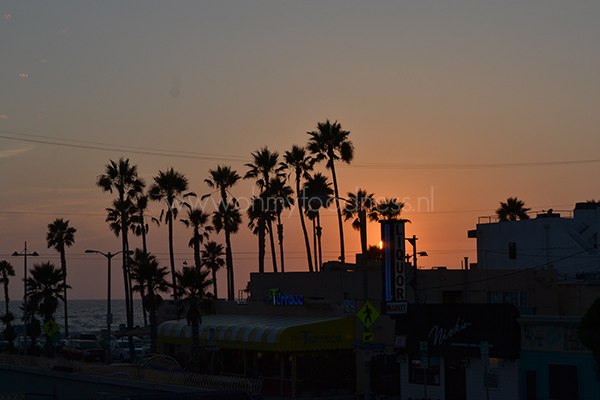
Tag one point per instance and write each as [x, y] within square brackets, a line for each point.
[11, 396]
[489, 219]
[123, 371]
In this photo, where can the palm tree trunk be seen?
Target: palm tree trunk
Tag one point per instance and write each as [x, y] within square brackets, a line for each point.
[339, 213]
[171, 251]
[319, 238]
[214, 277]
[127, 283]
[273, 256]
[128, 297]
[261, 245]
[153, 327]
[197, 259]
[196, 344]
[145, 250]
[63, 264]
[280, 237]
[6, 299]
[314, 221]
[229, 261]
[306, 240]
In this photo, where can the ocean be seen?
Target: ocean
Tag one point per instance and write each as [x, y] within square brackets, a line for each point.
[84, 315]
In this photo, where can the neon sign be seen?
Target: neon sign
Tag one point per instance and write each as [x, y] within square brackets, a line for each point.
[276, 298]
[394, 267]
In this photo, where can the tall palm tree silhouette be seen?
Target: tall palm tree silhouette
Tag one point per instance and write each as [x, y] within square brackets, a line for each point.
[150, 281]
[191, 292]
[316, 193]
[212, 259]
[265, 165]
[282, 199]
[123, 178]
[169, 186]
[512, 210]
[45, 288]
[6, 271]
[222, 179]
[228, 218]
[389, 209]
[330, 142]
[199, 221]
[357, 202]
[258, 214]
[298, 161]
[59, 236]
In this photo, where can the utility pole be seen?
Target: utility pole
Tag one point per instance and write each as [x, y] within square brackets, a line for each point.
[25, 253]
[467, 280]
[365, 267]
[413, 242]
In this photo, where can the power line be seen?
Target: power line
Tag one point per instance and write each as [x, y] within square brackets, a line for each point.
[220, 157]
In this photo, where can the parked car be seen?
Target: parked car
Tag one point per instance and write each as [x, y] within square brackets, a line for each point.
[83, 336]
[3, 343]
[83, 350]
[119, 349]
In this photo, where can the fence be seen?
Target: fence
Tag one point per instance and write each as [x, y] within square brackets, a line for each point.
[126, 371]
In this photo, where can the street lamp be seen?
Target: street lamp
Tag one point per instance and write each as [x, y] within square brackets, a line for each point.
[109, 257]
[25, 253]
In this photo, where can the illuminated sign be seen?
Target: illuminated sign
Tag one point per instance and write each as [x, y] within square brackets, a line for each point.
[394, 267]
[276, 298]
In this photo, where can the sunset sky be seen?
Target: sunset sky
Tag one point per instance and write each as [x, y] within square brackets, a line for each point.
[460, 104]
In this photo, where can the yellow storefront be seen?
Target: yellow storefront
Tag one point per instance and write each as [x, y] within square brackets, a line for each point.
[287, 352]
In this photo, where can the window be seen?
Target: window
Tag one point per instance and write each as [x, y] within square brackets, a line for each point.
[415, 373]
[562, 382]
[512, 250]
[491, 379]
[519, 298]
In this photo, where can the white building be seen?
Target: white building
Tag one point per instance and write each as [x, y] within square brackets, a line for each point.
[565, 242]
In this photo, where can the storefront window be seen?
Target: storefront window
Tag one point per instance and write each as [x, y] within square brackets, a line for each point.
[415, 373]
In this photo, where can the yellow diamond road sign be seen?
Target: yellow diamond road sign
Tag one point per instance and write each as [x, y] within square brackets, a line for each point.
[50, 327]
[367, 314]
[368, 337]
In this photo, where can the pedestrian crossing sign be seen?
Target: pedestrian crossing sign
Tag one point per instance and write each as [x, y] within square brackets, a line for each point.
[367, 314]
[50, 328]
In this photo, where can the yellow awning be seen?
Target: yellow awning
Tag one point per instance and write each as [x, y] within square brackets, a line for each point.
[264, 332]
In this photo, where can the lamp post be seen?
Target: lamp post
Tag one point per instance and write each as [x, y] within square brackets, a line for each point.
[109, 257]
[25, 253]
[413, 242]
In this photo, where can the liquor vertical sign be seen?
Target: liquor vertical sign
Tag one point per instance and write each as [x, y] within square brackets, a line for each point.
[394, 267]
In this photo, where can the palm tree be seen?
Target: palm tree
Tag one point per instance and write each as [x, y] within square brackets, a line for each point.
[6, 270]
[357, 203]
[59, 236]
[169, 186]
[317, 192]
[330, 142]
[228, 218]
[258, 214]
[191, 292]
[150, 280]
[222, 179]
[198, 220]
[212, 258]
[298, 161]
[139, 225]
[263, 167]
[389, 209]
[123, 178]
[113, 218]
[45, 289]
[512, 209]
[282, 197]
